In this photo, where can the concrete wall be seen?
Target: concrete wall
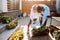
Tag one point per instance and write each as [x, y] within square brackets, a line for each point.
[0, 6]
[58, 6]
[4, 5]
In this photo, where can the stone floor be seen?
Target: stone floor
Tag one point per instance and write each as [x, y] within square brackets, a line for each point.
[25, 21]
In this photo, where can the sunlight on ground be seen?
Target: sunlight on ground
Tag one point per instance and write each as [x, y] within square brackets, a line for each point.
[25, 28]
[25, 32]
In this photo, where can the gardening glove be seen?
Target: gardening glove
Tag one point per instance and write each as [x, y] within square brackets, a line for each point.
[41, 25]
[28, 26]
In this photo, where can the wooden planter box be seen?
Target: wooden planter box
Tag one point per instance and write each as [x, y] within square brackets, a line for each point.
[0, 20]
[2, 29]
[3, 26]
[13, 21]
[45, 32]
[52, 29]
[13, 36]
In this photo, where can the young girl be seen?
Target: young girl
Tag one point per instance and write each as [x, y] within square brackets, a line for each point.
[34, 19]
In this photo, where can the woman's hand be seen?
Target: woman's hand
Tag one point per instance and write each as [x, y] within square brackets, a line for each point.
[41, 25]
[41, 15]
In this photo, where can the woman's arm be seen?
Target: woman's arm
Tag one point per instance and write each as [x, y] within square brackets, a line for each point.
[43, 21]
[40, 19]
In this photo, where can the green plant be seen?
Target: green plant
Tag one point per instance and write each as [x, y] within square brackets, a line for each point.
[40, 30]
[6, 19]
[57, 34]
[11, 25]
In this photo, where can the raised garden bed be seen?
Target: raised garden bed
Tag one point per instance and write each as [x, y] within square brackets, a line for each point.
[5, 19]
[55, 32]
[10, 25]
[17, 35]
[45, 37]
[40, 31]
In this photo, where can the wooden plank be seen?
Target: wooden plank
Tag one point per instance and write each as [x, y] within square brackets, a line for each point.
[46, 37]
[56, 18]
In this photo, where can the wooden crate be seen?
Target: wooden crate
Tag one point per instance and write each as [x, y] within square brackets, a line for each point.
[2, 29]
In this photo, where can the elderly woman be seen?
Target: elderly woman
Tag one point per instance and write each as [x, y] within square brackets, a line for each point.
[39, 14]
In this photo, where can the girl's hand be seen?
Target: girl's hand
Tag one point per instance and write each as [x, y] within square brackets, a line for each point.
[41, 15]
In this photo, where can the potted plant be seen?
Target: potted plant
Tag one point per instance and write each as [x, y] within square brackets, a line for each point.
[6, 19]
[56, 34]
[11, 25]
[17, 35]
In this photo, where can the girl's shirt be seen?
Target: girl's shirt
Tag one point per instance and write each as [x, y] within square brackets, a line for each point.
[35, 16]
